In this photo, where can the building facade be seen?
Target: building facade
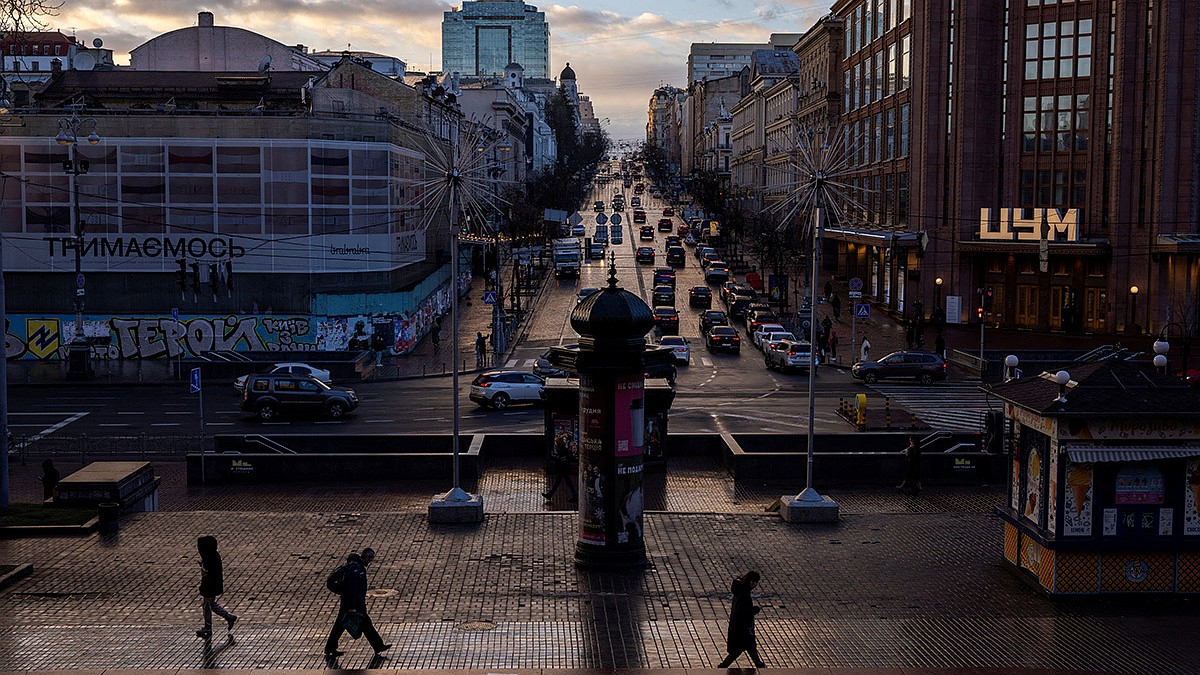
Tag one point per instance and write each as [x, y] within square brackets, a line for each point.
[30, 58]
[481, 38]
[209, 47]
[663, 123]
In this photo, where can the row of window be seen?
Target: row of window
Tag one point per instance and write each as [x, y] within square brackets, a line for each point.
[35, 50]
[1055, 123]
[1048, 188]
[881, 137]
[872, 20]
[1058, 49]
[883, 74]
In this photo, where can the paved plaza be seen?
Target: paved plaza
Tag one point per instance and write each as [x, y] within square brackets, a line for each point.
[899, 583]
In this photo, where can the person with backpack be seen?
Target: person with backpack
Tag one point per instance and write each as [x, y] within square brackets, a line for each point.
[212, 584]
[350, 583]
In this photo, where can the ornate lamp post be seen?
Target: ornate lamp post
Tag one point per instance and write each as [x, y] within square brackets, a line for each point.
[79, 359]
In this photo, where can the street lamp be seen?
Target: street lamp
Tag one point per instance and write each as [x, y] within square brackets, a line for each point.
[1133, 327]
[938, 284]
[79, 355]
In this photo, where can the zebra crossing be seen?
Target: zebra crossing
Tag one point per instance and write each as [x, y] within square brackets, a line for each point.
[948, 406]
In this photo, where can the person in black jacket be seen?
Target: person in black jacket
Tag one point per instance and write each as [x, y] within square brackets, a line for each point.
[354, 600]
[741, 621]
[212, 584]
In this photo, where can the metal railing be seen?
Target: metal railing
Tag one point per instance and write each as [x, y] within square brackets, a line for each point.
[87, 448]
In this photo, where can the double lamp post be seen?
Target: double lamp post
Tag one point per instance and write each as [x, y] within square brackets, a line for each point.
[70, 130]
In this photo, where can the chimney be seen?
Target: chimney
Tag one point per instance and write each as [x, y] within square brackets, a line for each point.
[206, 19]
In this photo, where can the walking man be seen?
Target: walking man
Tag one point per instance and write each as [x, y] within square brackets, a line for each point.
[837, 306]
[480, 349]
[212, 584]
[833, 344]
[865, 355]
[939, 345]
[561, 468]
[912, 468]
[740, 637]
[435, 334]
[353, 605]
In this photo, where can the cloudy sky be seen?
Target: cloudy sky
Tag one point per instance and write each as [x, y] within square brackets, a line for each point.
[621, 50]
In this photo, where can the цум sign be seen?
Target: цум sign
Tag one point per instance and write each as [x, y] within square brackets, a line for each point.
[1012, 225]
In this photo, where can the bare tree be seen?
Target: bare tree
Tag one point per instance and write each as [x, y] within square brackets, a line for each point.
[24, 16]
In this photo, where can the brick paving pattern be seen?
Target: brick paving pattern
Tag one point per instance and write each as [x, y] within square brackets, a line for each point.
[900, 582]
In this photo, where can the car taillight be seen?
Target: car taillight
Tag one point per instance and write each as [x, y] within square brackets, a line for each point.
[484, 384]
[737, 339]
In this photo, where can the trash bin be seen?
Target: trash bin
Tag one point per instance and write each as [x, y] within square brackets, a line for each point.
[110, 513]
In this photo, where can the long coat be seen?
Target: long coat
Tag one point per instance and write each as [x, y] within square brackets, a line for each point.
[741, 619]
[212, 577]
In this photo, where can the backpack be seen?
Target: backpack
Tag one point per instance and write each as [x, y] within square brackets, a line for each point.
[336, 582]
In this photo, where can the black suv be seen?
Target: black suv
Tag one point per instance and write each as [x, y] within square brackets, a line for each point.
[663, 295]
[923, 366]
[710, 318]
[269, 396]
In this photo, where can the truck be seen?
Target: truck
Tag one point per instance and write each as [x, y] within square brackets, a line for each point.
[568, 256]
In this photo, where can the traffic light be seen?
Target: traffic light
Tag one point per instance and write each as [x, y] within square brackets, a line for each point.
[181, 274]
[214, 279]
[196, 277]
[979, 314]
[987, 299]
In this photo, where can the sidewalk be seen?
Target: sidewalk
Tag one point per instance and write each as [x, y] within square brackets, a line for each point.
[900, 584]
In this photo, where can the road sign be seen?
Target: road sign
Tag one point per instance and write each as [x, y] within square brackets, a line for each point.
[80, 280]
[854, 295]
[489, 297]
[195, 383]
[575, 219]
[862, 310]
[601, 219]
[856, 284]
[615, 219]
[175, 313]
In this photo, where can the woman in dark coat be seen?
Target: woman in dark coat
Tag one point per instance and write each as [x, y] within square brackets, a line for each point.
[212, 584]
[741, 621]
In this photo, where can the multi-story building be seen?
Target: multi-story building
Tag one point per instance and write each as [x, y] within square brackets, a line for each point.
[29, 58]
[716, 60]
[662, 126]
[481, 38]
[760, 125]
[819, 98]
[381, 63]
[716, 148]
[702, 105]
[209, 47]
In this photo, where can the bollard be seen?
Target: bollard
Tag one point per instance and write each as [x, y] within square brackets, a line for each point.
[887, 413]
[109, 517]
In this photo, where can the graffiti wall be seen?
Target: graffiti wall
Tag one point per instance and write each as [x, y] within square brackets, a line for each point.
[45, 337]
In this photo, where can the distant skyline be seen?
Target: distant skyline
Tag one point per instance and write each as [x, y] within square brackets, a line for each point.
[619, 51]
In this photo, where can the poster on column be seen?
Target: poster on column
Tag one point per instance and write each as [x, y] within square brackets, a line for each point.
[1077, 501]
[629, 426]
[1191, 499]
[594, 462]
[953, 309]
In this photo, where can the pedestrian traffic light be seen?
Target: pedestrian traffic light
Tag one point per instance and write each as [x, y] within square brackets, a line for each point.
[214, 278]
[196, 277]
[181, 275]
[987, 299]
[979, 314]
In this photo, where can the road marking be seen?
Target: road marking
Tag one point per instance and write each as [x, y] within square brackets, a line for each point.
[706, 361]
[177, 412]
[275, 424]
[165, 424]
[40, 435]
[522, 412]
[131, 413]
[218, 424]
[512, 363]
[428, 419]
[114, 425]
[377, 421]
[330, 422]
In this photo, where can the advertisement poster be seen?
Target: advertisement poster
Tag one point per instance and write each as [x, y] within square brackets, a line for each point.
[566, 436]
[1033, 488]
[1014, 490]
[1052, 494]
[630, 437]
[1077, 501]
[1140, 484]
[593, 463]
[656, 426]
[1191, 499]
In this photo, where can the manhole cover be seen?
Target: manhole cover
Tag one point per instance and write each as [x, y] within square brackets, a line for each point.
[383, 593]
[476, 625]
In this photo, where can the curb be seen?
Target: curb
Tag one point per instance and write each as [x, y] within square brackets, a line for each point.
[16, 575]
[23, 531]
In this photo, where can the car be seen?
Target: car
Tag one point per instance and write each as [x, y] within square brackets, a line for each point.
[584, 293]
[681, 349]
[925, 367]
[596, 250]
[732, 287]
[639, 216]
[664, 276]
[700, 296]
[672, 241]
[668, 212]
[664, 369]
[666, 320]
[269, 396]
[663, 295]
[710, 318]
[710, 258]
[723, 337]
[737, 305]
[498, 388]
[635, 202]
[665, 225]
[683, 230]
[546, 369]
[727, 288]
[645, 255]
[676, 257]
[787, 354]
[618, 204]
[701, 251]
[578, 230]
[757, 334]
[303, 369]
[716, 272]
[598, 206]
[757, 318]
[646, 233]
[768, 339]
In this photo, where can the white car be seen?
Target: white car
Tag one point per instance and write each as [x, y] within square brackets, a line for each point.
[757, 334]
[788, 354]
[498, 388]
[239, 384]
[769, 340]
[681, 349]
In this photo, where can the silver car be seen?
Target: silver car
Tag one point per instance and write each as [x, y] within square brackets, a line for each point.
[789, 354]
[498, 388]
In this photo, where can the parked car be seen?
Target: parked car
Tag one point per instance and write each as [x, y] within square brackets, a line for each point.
[665, 225]
[680, 347]
[665, 369]
[269, 396]
[584, 293]
[789, 354]
[710, 318]
[925, 367]
[666, 320]
[645, 255]
[663, 295]
[723, 337]
[757, 317]
[716, 272]
[700, 296]
[676, 257]
[498, 388]
[737, 305]
[757, 334]
[300, 369]
[683, 230]
[664, 276]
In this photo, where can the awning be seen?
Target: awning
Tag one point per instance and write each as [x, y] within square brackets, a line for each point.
[1130, 454]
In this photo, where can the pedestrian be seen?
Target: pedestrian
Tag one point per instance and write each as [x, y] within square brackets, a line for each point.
[833, 345]
[352, 605]
[50, 477]
[212, 584]
[837, 307]
[740, 637]
[910, 334]
[828, 289]
[919, 311]
[561, 469]
[436, 334]
[912, 467]
[939, 345]
[480, 349]
[827, 324]
[822, 343]
[865, 354]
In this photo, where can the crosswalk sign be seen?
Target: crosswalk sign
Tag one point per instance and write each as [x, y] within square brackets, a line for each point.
[489, 297]
[862, 311]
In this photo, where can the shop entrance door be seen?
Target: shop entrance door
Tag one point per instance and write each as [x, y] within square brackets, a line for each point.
[1095, 307]
[1027, 306]
[1060, 298]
